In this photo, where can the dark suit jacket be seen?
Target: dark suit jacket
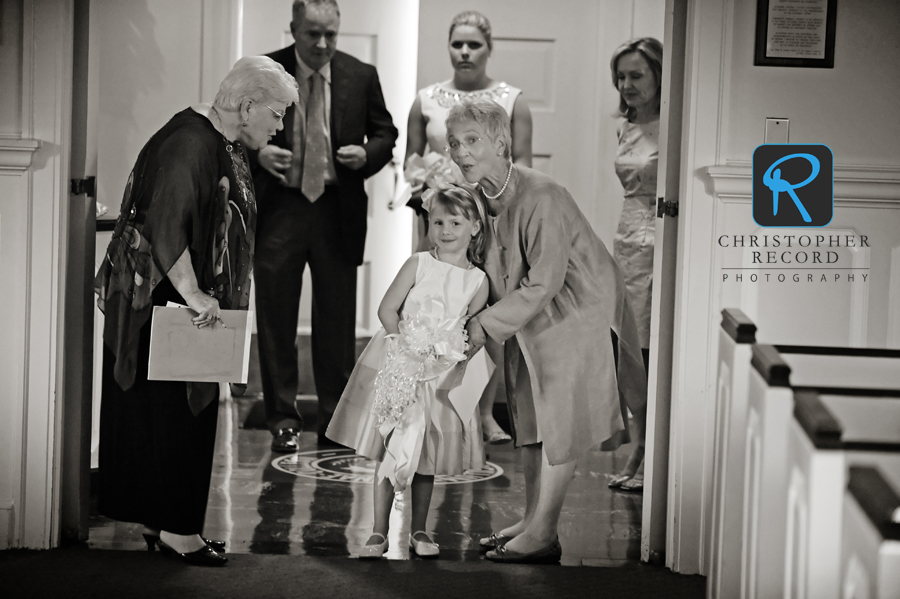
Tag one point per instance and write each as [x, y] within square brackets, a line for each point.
[358, 117]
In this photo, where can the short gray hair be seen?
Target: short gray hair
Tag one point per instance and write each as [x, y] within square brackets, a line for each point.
[473, 18]
[491, 116]
[298, 9]
[256, 78]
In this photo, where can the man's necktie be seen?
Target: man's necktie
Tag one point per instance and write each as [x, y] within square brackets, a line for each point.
[315, 159]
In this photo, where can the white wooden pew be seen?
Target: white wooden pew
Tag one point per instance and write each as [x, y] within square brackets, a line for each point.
[723, 543]
[828, 432]
[870, 544]
[769, 416]
[769, 405]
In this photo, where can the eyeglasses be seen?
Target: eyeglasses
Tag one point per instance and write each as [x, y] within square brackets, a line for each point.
[279, 115]
[454, 146]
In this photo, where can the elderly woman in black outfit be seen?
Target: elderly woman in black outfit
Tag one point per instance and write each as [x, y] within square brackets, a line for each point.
[185, 234]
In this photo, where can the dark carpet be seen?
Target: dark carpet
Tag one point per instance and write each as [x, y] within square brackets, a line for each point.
[64, 573]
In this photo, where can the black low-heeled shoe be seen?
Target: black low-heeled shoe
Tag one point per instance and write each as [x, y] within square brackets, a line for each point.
[217, 546]
[492, 542]
[152, 540]
[202, 557]
[550, 554]
[287, 440]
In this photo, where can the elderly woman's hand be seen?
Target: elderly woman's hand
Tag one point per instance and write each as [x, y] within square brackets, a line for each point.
[185, 282]
[206, 307]
[477, 338]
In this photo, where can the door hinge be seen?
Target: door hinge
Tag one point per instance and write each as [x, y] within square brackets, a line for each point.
[664, 208]
[82, 186]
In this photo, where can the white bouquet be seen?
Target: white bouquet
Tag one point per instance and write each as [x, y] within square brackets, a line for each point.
[426, 347]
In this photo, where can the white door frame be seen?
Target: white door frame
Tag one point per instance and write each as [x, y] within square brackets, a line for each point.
[46, 119]
[706, 84]
[659, 387]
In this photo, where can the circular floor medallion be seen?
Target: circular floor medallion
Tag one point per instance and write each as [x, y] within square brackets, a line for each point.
[344, 466]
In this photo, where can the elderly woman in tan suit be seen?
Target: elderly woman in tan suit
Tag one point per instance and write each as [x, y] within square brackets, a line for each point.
[572, 354]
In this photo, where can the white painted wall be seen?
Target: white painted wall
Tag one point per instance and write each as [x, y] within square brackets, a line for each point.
[152, 59]
[851, 108]
[10, 68]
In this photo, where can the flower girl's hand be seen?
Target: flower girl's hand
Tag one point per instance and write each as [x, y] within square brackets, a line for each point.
[477, 337]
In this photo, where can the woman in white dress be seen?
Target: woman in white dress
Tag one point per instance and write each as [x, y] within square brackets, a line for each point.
[637, 73]
[470, 47]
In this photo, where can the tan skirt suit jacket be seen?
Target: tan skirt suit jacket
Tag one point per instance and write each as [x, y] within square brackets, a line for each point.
[555, 288]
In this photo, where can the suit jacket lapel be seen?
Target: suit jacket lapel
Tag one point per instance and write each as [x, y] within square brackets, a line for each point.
[340, 89]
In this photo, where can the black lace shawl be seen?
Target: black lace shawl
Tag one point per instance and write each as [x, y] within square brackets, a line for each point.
[190, 188]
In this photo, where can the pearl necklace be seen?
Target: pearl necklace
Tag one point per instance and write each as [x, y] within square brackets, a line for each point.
[502, 189]
[435, 253]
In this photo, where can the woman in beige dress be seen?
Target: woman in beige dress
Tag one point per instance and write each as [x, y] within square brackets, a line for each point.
[636, 73]
[557, 299]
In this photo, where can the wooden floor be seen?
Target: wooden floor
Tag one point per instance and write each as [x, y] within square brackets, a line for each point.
[319, 501]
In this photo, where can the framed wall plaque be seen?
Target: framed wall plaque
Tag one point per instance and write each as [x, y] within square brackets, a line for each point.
[795, 33]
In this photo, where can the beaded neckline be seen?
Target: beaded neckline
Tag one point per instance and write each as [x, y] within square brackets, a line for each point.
[450, 97]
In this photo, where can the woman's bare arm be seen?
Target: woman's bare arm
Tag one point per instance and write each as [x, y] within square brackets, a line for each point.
[521, 132]
[185, 282]
[416, 141]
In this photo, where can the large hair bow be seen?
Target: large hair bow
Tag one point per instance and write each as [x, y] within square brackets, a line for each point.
[428, 199]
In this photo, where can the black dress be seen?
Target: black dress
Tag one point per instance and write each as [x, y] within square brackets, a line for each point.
[190, 188]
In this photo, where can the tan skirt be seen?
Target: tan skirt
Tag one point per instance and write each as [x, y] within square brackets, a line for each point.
[520, 400]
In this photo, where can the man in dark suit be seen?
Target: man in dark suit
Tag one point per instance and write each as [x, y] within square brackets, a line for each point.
[312, 210]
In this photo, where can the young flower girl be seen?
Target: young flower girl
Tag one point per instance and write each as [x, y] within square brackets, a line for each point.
[396, 408]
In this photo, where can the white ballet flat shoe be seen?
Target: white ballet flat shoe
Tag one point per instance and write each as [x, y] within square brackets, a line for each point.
[374, 551]
[423, 548]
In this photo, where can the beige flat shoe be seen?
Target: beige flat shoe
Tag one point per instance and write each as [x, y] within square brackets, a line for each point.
[497, 438]
[635, 484]
[374, 551]
[617, 481]
[423, 548]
